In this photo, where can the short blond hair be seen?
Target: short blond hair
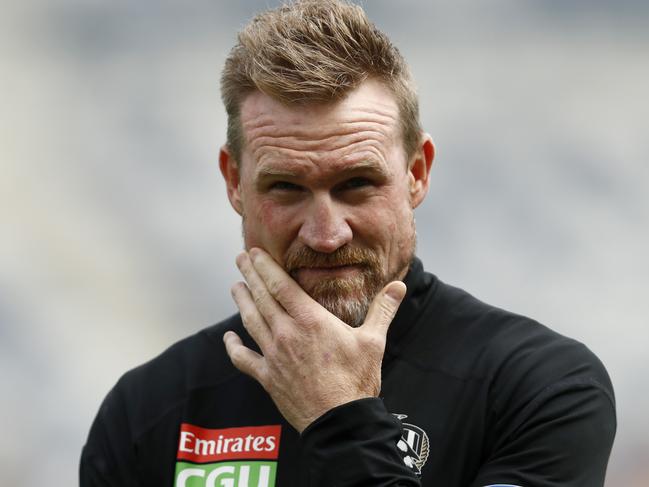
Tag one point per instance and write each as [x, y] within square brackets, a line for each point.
[311, 52]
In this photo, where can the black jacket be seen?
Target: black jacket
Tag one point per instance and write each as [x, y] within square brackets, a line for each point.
[471, 396]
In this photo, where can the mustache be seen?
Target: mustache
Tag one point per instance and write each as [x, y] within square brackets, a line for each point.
[307, 257]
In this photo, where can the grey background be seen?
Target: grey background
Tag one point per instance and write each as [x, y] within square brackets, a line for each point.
[116, 237]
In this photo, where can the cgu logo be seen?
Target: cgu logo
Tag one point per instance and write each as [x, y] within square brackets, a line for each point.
[226, 475]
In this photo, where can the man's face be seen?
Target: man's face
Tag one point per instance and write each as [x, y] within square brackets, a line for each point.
[328, 193]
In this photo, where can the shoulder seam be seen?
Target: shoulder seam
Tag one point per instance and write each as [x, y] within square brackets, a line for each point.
[574, 382]
[564, 384]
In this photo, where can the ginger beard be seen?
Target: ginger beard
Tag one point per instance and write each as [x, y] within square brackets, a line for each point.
[349, 298]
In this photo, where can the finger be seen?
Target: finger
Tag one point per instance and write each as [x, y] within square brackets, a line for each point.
[262, 298]
[281, 286]
[246, 360]
[384, 307]
[252, 319]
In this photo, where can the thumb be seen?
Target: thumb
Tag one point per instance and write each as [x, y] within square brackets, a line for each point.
[384, 307]
[246, 360]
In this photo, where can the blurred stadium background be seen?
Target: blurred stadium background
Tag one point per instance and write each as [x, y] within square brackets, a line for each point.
[117, 239]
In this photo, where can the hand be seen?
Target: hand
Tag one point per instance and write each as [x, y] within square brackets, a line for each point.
[311, 361]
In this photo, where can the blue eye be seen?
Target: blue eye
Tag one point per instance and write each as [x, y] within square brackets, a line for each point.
[285, 186]
[355, 183]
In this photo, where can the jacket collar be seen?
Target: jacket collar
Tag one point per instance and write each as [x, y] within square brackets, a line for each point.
[421, 286]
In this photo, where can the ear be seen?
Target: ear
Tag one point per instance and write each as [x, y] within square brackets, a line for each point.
[231, 174]
[419, 170]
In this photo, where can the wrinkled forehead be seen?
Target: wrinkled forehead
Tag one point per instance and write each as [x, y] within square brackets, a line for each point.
[370, 107]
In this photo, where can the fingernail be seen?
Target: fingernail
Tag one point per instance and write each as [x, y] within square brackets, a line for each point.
[240, 258]
[396, 292]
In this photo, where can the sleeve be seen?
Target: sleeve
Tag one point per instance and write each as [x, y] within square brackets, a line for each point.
[562, 437]
[355, 444]
[108, 457]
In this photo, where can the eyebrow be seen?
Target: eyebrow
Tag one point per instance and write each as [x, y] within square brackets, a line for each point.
[266, 172]
[368, 165]
[363, 165]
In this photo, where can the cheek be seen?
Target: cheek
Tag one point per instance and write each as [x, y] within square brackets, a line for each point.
[267, 214]
[384, 221]
[269, 226]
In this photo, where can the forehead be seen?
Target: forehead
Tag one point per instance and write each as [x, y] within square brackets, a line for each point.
[365, 124]
[370, 98]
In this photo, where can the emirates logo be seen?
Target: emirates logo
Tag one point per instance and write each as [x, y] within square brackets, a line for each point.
[244, 456]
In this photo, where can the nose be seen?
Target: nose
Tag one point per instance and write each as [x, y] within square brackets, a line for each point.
[325, 228]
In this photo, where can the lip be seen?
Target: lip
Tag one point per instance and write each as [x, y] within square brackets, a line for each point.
[311, 273]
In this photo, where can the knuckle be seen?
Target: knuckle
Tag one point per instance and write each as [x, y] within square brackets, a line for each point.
[374, 342]
[386, 309]
[283, 339]
[385, 312]
[277, 287]
[271, 354]
[258, 299]
[247, 316]
[306, 319]
[237, 355]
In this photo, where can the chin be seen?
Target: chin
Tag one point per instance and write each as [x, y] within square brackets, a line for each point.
[348, 299]
[350, 311]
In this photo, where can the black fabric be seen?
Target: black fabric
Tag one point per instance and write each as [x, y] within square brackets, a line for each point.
[471, 396]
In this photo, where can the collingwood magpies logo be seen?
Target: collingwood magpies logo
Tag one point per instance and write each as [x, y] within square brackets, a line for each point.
[414, 445]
